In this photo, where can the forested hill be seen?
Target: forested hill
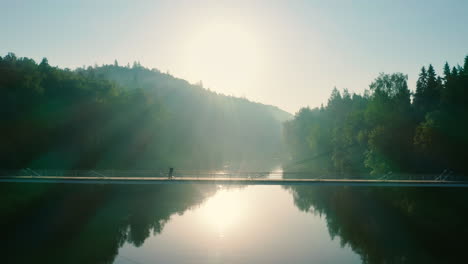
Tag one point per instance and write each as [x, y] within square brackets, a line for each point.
[173, 90]
[388, 128]
[115, 117]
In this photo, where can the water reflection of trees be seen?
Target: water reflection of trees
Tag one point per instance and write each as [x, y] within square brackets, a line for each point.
[87, 224]
[390, 225]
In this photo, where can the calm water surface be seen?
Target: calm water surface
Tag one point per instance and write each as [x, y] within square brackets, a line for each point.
[253, 224]
[66, 223]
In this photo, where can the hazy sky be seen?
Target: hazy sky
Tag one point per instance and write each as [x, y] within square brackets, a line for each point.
[286, 53]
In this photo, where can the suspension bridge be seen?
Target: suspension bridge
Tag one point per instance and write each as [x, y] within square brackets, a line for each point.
[445, 179]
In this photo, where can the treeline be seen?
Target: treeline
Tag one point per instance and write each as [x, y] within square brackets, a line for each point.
[115, 117]
[388, 128]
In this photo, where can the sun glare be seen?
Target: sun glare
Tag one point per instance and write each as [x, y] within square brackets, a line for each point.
[223, 211]
[224, 55]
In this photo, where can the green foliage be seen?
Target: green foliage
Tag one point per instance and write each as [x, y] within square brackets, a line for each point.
[122, 117]
[428, 91]
[384, 130]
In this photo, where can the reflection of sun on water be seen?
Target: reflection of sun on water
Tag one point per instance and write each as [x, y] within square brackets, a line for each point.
[223, 212]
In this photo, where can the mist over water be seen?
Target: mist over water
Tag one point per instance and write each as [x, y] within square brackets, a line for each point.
[182, 93]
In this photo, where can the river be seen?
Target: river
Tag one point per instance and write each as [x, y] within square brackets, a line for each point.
[66, 223]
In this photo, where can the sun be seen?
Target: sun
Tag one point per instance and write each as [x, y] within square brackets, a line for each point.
[224, 55]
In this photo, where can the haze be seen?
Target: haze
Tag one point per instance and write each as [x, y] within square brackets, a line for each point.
[285, 53]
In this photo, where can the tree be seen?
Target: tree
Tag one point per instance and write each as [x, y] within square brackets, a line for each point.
[384, 131]
[428, 92]
[112, 117]
[421, 85]
[465, 65]
[446, 72]
[44, 62]
[391, 126]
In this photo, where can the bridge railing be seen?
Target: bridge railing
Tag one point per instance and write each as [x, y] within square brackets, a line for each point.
[27, 172]
[83, 173]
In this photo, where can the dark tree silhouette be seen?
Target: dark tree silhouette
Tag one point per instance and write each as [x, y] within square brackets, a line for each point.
[121, 117]
[384, 130]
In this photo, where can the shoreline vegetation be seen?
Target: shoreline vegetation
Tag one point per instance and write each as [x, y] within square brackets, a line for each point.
[122, 117]
[131, 117]
[388, 128]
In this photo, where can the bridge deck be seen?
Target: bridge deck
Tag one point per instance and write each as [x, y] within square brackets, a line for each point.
[233, 181]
